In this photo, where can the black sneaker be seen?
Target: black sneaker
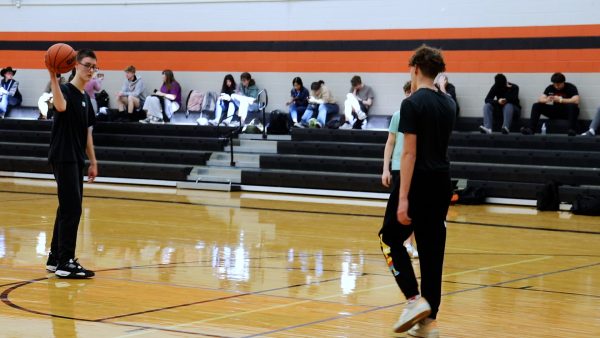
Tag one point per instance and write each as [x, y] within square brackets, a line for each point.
[51, 263]
[72, 269]
[526, 131]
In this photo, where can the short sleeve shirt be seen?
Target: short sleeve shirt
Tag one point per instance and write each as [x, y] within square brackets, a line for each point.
[68, 139]
[394, 126]
[430, 115]
[567, 92]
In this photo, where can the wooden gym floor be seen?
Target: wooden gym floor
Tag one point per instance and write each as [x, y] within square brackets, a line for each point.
[209, 264]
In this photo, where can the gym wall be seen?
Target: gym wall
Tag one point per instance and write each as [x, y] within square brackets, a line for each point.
[332, 40]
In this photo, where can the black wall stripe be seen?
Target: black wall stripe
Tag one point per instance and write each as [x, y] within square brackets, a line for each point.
[318, 46]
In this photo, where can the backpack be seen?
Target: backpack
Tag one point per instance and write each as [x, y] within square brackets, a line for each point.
[102, 98]
[547, 198]
[279, 123]
[586, 205]
[194, 100]
[471, 196]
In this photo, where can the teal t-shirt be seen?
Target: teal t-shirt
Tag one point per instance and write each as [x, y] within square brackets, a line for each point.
[394, 124]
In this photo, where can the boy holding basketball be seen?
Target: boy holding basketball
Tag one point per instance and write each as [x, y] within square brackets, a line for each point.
[423, 196]
[71, 139]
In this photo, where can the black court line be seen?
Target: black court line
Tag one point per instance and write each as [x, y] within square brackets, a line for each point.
[397, 304]
[528, 43]
[380, 216]
[529, 288]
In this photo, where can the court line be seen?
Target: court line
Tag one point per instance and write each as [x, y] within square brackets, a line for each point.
[445, 294]
[237, 314]
[510, 226]
[530, 288]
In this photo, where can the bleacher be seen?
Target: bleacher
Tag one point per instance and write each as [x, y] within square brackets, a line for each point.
[507, 166]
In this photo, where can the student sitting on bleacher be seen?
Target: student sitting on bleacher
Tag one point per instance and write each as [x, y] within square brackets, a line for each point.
[594, 125]
[298, 101]
[321, 103]
[131, 97]
[9, 91]
[164, 102]
[502, 97]
[45, 102]
[357, 104]
[245, 98]
[560, 100]
[442, 82]
[224, 101]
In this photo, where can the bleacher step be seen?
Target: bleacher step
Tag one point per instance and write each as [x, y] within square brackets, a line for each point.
[203, 185]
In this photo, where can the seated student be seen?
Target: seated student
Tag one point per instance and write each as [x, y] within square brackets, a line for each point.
[246, 97]
[298, 101]
[560, 100]
[503, 96]
[448, 88]
[322, 103]
[92, 87]
[132, 96]
[164, 102]
[357, 104]
[9, 91]
[593, 125]
[224, 101]
[45, 102]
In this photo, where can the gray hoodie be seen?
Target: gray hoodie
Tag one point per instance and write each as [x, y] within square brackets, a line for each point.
[134, 88]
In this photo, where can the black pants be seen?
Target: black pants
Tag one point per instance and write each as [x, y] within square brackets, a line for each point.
[565, 111]
[69, 181]
[428, 202]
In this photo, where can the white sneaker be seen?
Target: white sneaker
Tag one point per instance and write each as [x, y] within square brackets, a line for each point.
[361, 115]
[298, 125]
[234, 124]
[485, 130]
[413, 313]
[426, 328]
[346, 125]
[146, 120]
[412, 251]
[590, 132]
[156, 120]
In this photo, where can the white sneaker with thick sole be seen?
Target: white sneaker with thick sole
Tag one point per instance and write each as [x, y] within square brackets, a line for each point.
[412, 314]
[485, 130]
[346, 125]
[427, 328]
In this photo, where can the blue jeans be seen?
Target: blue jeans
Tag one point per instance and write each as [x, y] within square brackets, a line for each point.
[508, 111]
[295, 111]
[325, 109]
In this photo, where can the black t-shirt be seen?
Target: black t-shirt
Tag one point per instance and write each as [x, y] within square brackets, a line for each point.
[430, 115]
[567, 92]
[70, 128]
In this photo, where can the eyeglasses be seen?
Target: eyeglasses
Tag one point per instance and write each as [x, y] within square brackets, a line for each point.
[90, 67]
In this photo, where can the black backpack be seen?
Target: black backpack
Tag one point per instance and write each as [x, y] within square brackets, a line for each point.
[586, 205]
[471, 196]
[547, 198]
[102, 98]
[279, 123]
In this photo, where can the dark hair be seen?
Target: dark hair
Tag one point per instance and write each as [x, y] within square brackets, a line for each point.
[407, 87]
[500, 81]
[297, 80]
[72, 75]
[84, 53]
[317, 85]
[224, 87]
[429, 60]
[558, 78]
[130, 69]
[247, 76]
[355, 81]
[169, 78]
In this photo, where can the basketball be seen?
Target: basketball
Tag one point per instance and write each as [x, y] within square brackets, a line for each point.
[60, 58]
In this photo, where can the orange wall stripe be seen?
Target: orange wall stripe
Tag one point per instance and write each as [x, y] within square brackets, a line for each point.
[380, 34]
[512, 61]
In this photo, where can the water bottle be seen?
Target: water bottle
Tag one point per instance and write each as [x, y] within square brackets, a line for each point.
[544, 129]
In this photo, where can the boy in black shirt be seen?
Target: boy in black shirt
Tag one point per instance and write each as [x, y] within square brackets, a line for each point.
[504, 97]
[71, 138]
[560, 100]
[423, 194]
